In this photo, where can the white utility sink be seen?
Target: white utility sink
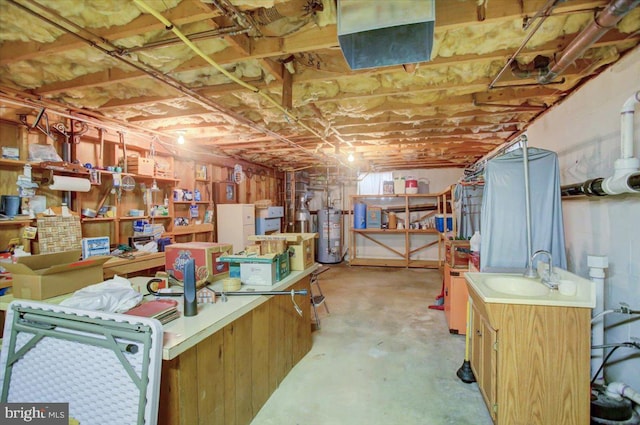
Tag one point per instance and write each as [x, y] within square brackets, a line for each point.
[512, 288]
[514, 285]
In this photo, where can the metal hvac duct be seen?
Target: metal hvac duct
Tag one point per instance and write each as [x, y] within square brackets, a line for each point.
[383, 33]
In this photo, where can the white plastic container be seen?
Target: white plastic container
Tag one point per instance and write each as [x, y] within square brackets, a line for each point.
[398, 185]
[475, 242]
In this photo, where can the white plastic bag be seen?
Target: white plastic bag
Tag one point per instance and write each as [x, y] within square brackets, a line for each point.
[114, 296]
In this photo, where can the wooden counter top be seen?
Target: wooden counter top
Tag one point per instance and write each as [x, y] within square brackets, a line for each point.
[185, 332]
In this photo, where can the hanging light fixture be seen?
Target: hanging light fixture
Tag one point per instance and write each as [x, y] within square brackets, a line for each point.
[350, 158]
[180, 139]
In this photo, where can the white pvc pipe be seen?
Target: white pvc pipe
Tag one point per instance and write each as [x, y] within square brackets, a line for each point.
[626, 121]
[627, 165]
[617, 389]
[597, 264]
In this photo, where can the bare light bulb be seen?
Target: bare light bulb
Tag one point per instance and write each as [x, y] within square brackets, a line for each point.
[181, 139]
[350, 158]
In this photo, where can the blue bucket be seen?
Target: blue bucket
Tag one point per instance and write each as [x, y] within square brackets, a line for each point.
[440, 223]
[360, 216]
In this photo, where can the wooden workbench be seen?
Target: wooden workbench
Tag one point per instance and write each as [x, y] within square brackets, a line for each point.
[222, 365]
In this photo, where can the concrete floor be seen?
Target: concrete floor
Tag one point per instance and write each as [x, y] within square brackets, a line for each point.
[381, 357]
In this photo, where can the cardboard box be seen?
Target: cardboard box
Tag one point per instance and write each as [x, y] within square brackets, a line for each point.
[92, 247]
[205, 254]
[302, 247]
[303, 254]
[259, 270]
[259, 274]
[38, 277]
[374, 218]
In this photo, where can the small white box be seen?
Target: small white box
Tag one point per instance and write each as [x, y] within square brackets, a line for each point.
[95, 246]
[10, 153]
[258, 274]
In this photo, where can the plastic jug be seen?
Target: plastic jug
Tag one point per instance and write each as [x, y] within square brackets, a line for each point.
[475, 242]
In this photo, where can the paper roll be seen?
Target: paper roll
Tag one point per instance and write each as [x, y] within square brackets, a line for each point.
[74, 184]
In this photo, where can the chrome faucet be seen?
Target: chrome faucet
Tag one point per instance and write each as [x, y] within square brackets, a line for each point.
[548, 277]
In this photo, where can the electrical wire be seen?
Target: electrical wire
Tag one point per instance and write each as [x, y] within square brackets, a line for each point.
[115, 52]
[629, 344]
[170, 26]
[602, 313]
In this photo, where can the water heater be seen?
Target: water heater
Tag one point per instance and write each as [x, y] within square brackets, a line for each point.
[329, 249]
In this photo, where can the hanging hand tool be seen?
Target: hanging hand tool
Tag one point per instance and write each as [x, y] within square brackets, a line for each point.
[124, 151]
[101, 153]
[104, 198]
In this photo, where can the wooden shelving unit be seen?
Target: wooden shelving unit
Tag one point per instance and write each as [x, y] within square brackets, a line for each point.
[194, 176]
[406, 247]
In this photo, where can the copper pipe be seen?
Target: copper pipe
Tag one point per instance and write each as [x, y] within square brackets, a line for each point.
[604, 21]
[544, 14]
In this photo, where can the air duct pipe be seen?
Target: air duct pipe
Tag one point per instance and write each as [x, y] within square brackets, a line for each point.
[603, 22]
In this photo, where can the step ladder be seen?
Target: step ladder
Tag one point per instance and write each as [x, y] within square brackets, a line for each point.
[317, 297]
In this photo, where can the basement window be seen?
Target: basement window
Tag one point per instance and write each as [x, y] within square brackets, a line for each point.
[371, 183]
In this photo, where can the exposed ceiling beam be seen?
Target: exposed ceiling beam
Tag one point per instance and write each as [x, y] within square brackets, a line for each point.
[184, 13]
[315, 39]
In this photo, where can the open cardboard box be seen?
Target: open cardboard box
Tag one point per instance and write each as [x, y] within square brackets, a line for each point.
[38, 277]
[301, 245]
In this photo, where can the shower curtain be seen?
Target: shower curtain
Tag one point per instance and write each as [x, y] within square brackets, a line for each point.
[468, 200]
[503, 218]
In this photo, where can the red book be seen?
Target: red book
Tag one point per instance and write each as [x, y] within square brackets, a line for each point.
[161, 309]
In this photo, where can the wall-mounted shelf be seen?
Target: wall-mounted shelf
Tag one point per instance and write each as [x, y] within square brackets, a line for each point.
[137, 217]
[19, 222]
[194, 228]
[15, 163]
[96, 219]
[191, 202]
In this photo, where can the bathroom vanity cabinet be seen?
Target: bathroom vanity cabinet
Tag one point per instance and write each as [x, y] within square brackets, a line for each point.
[531, 362]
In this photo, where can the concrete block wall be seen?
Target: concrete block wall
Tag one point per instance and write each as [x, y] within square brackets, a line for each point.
[585, 132]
